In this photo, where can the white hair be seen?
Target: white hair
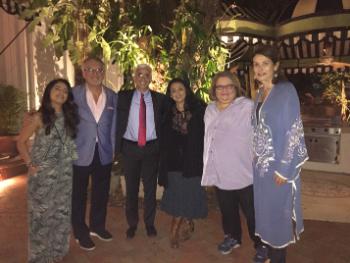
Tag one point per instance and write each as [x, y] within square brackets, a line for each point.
[145, 66]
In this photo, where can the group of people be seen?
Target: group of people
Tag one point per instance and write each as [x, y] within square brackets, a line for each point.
[250, 151]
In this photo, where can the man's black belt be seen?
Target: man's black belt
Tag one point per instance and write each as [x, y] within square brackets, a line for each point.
[133, 142]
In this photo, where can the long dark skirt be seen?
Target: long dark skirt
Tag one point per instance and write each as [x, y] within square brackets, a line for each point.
[184, 197]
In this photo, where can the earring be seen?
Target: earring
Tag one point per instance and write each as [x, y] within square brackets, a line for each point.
[275, 75]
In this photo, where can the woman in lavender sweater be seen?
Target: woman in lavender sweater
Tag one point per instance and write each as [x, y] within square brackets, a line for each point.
[228, 160]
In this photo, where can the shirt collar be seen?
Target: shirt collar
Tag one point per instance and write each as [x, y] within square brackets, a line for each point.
[146, 95]
[89, 91]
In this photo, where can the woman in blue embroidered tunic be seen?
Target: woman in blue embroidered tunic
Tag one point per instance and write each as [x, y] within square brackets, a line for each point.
[50, 172]
[279, 150]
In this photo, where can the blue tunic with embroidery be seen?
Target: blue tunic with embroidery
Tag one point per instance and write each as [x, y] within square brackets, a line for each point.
[279, 148]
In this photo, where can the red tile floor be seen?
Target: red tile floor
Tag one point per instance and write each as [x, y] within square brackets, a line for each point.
[322, 242]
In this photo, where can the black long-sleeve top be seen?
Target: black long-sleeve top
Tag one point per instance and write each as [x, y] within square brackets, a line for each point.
[182, 152]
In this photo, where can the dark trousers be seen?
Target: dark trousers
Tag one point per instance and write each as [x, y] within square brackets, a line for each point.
[140, 163]
[277, 255]
[229, 203]
[100, 181]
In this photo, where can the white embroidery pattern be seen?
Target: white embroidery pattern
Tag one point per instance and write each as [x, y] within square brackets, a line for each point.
[295, 136]
[263, 148]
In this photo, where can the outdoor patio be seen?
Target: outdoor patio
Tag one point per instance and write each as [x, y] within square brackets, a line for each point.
[322, 242]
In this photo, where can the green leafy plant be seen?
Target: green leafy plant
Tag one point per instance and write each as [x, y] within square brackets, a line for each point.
[185, 46]
[12, 106]
[133, 46]
[81, 27]
[196, 52]
[334, 83]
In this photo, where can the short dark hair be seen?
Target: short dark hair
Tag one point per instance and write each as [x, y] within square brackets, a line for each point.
[95, 58]
[225, 74]
[271, 52]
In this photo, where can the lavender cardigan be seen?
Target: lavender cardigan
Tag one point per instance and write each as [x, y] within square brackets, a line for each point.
[228, 154]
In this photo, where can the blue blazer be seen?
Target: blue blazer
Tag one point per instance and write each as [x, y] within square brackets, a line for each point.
[88, 129]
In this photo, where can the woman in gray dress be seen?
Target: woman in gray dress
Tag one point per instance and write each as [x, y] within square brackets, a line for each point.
[50, 172]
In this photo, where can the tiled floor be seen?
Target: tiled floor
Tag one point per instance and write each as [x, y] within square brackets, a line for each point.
[322, 242]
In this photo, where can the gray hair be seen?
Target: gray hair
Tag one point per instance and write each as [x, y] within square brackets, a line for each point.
[97, 59]
[145, 66]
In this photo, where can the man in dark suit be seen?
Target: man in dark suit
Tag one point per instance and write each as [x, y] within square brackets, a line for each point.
[95, 145]
[139, 114]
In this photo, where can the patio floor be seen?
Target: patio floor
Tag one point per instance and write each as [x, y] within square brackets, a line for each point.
[322, 242]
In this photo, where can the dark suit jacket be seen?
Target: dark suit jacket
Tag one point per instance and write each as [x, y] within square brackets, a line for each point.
[159, 101]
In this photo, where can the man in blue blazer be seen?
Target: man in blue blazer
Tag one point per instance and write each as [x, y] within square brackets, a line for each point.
[95, 145]
[137, 136]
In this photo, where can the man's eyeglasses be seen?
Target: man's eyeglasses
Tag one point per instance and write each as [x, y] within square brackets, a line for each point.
[94, 70]
[225, 87]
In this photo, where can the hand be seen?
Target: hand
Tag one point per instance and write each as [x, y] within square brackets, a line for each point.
[279, 180]
[32, 170]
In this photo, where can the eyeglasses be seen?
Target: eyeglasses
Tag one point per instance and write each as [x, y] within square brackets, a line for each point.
[224, 87]
[143, 75]
[94, 70]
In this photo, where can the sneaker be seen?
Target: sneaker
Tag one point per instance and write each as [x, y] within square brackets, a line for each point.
[227, 245]
[104, 235]
[86, 243]
[261, 254]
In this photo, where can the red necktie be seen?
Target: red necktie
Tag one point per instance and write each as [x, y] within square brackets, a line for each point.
[142, 123]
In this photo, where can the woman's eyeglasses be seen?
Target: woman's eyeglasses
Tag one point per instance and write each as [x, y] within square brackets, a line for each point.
[224, 87]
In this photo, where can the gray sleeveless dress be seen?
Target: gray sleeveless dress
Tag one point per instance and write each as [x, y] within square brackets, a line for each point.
[49, 194]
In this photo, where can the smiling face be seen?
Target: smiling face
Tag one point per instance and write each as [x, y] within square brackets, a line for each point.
[264, 68]
[142, 78]
[59, 94]
[178, 92]
[225, 91]
[93, 73]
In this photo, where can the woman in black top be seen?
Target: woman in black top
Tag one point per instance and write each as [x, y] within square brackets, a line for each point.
[181, 161]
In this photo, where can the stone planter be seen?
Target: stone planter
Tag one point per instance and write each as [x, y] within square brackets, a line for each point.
[8, 145]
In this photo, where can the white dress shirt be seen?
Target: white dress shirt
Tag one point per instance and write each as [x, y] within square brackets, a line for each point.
[132, 128]
[96, 107]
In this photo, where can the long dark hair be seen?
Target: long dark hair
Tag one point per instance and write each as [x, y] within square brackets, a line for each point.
[191, 100]
[69, 108]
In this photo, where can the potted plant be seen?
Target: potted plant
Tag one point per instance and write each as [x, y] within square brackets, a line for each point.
[335, 93]
[12, 107]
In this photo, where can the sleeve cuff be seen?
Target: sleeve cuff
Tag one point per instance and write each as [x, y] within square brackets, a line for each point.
[280, 175]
